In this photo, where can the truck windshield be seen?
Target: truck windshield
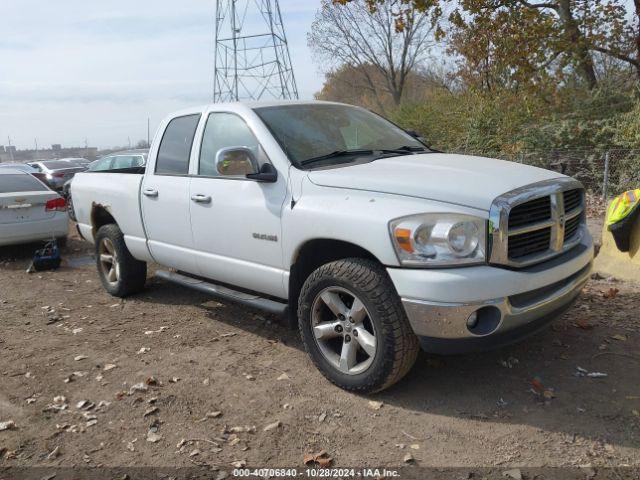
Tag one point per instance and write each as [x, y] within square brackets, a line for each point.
[333, 133]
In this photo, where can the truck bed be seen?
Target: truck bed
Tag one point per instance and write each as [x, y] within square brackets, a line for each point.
[118, 193]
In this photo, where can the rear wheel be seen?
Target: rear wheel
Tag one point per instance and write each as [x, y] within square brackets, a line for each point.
[120, 273]
[354, 327]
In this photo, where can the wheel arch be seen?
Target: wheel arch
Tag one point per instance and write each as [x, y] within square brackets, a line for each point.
[100, 216]
[313, 254]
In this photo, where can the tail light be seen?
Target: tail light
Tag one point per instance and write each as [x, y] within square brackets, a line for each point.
[56, 205]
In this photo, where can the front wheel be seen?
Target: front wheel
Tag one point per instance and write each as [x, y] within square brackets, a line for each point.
[354, 327]
[120, 273]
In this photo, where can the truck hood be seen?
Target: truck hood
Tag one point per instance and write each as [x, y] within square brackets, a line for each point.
[458, 179]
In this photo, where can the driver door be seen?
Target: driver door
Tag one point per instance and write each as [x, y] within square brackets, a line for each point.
[235, 221]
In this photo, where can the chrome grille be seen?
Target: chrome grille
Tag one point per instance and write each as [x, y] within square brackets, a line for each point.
[531, 212]
[537, 222]
[529, 243]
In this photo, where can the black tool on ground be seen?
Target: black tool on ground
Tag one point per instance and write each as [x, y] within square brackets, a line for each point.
[47, 258]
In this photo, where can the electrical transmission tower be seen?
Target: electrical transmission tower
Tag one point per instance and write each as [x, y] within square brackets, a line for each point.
[252, 58]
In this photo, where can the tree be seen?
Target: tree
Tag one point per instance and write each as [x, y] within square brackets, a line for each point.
[568, 32]
[380, 47]
[347, 84]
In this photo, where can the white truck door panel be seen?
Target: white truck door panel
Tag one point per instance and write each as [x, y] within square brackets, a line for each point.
[165, 206]
[236, 222]
[165, 197]
[237, 234]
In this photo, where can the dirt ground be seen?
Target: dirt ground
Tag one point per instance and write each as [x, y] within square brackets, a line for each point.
[173, 378]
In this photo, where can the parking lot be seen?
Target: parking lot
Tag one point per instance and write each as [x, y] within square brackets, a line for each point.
[171, 377]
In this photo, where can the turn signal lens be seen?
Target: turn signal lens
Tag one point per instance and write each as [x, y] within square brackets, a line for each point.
[403, 237]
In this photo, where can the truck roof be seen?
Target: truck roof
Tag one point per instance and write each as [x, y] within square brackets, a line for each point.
[252, 105]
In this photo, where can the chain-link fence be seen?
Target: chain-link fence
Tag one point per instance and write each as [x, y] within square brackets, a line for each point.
[603, 172]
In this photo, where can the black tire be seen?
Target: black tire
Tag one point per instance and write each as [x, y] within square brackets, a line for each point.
[131, 274]
[396, 345]
[70, 211]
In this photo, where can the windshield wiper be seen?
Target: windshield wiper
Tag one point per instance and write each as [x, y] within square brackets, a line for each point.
[405, 149]
[337, 154]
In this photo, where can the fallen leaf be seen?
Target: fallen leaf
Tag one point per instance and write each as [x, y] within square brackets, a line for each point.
[322, 458]
[8, 425]
[375, 405]
[611, 293]
[150, 411]
[622, 338]
[138, 387]
[77, 358]
[408, 458]
[272, 426]
[153, 437]
[284, 376]
[516, 474]
[54, 453]
[109, 366]
[239, 463]
[583, 324]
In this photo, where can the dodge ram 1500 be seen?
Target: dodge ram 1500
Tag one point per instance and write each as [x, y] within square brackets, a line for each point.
[372, 242]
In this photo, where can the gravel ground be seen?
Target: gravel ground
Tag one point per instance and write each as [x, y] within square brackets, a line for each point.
[172, 378]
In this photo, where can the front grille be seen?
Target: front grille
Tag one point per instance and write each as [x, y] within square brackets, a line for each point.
[537, 210]
[571, 228]
[537, 222]
[572, 200]
[527, 244]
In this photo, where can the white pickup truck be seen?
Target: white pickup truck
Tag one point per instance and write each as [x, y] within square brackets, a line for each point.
[372, 242]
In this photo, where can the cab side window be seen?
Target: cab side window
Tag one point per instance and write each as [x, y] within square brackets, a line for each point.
[226, 130]
[175, 148]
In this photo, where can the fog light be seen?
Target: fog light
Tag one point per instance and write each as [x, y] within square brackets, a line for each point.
[472, 321]
[484, 321]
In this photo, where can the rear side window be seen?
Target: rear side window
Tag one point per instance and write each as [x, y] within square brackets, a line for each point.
[20, 183]
[175, 148]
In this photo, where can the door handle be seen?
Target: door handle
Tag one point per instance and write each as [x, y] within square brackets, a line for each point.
[150, 192]
[201, 198]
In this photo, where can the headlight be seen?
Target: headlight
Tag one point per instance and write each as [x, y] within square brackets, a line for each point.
[439, 239]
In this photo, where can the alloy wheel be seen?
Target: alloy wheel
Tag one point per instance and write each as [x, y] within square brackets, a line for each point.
[109, 261]
[343, 330]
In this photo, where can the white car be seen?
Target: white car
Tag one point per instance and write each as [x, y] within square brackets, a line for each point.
[375, 244]
[29, 210]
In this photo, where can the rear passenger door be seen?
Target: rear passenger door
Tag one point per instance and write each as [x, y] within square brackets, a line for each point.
[165, 197]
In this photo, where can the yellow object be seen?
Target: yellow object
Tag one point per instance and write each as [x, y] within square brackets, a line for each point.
[621, 265]
[622, 206]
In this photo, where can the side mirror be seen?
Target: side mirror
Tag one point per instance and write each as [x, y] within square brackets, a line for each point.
[236, 161]
[267, 174]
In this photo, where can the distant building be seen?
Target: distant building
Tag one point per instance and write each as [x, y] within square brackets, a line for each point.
[9, 154]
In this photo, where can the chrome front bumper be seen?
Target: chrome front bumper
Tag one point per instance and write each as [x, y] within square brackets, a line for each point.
[448, 321]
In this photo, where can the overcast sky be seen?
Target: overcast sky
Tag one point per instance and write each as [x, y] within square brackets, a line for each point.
[73, 70]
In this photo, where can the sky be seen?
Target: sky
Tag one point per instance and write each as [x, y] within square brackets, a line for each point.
[73, 71]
